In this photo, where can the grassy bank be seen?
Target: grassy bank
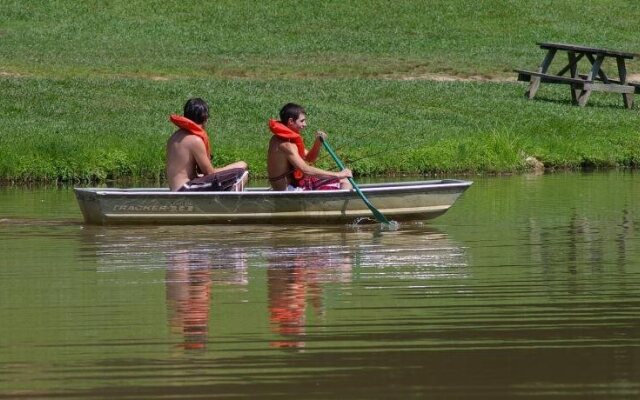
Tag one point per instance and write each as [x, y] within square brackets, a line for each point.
[87, 86]
[116, 128]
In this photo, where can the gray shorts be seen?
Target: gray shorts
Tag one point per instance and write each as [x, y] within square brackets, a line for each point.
[225, 181]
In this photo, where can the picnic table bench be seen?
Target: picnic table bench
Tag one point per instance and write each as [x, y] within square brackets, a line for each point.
[582, 84]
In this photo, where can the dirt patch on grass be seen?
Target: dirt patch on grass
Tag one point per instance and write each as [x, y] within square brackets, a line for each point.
[452, 78]
[11, 74]
[473, 78]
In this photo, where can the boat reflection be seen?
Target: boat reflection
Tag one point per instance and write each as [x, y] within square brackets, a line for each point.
[288, 269]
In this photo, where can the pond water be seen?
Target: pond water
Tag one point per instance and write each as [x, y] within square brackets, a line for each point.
[528, 287]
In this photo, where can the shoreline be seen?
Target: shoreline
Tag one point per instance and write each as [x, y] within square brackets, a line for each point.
[262, 181]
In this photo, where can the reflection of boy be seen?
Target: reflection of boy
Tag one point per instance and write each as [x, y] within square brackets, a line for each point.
[189, 155]
[188, 290]
[295, 281]
[287, 158]
[287, 296]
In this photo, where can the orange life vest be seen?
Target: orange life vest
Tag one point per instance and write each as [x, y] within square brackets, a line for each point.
[283, 132]
[193, 128]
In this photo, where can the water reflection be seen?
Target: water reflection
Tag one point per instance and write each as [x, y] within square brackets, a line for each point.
[624, 236]
[297, 265]
[295, 279]
[189, 282]
[528, 288]
[580, 240]
[188, 287]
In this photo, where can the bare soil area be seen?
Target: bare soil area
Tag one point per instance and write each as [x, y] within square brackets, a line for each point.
[477, 78]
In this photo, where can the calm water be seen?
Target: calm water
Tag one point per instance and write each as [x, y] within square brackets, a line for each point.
[529, 287]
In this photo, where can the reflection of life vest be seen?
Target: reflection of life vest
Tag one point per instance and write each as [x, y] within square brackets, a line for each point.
[188, 302]
[193, 128]
[287, 297]
[283, 132]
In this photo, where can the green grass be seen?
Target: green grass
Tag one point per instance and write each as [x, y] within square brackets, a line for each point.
[87, 86]
[114, 128]
[273, 39]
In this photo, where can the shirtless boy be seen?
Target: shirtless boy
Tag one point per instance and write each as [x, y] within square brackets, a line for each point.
[288, 161]
[189, 155]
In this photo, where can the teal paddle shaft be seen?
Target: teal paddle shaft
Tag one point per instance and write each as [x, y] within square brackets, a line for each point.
[377, 214]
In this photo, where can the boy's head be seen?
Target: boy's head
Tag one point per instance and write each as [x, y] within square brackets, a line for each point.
[197, 110]
[294, 117]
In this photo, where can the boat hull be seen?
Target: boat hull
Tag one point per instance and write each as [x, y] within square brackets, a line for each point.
[397, 201]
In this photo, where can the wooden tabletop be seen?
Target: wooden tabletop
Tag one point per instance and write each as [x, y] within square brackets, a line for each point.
[589, 50]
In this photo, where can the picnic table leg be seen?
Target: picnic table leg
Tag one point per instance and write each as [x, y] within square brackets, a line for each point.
[601, 73]
[535, 80]
[622, 72]
[595, 70]
[573, 67]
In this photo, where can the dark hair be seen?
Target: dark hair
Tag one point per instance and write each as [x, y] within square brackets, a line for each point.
[291, 110]
[196, 110]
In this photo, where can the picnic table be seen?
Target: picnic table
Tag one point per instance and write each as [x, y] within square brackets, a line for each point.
[582, 84]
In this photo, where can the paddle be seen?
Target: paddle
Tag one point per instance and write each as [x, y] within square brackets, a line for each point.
[377, 214]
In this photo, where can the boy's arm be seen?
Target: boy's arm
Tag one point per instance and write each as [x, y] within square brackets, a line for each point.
[312, 154]
[291, 151]
[204, 163]
[199, 152]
